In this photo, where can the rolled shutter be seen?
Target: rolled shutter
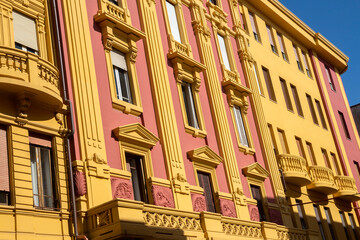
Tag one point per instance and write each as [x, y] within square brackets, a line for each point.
[4, 162]
[41, 140]
[25, 31]
[118, 59]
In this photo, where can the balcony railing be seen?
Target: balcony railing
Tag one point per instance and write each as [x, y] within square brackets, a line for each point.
[26, 73]
[294, 169]
[347, 188]
[322, 180]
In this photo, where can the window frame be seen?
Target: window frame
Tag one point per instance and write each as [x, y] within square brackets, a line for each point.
[300, 209]
[321, 114]
[310, 151]
[297, 100]
[264, 203]
[330, 78]
[330, 222]
[286, 94]
[343, 123]
[297, 58]
[318, 218]
[7, 193]
[254, 26]
[306, 63]
[280, 39]
[312, 109]
[269, 84]
[273, 46]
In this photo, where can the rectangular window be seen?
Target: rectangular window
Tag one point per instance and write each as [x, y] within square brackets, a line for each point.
[297, 100]
[283, 141]
[344, 223]
[121, 76]
[353, 226]
[269, 85]
[42, 171]
[240, 126]
[335, 163]
[286, 94]
[114, 2]
[253, 26]
[300, 209]
[25, 34]
[256, 194]
[223, 51]
[242, 19]
[326, 158]
[173, 21]
[318, 219]
[311, 153]
[297, 58]
[135, 165]
[213, 2]
[273, 142]
[328, 74]
[4, 168]
[321, 115]
[329, 221]
[300, 147]
[357, 167]
[271, 39]
[312, 110]
[343, 122]
[282, 47]
[306, 64]
[257, 79]
[189, 105]
[205, 182]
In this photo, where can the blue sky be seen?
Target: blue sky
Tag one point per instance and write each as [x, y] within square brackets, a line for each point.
[339, 22]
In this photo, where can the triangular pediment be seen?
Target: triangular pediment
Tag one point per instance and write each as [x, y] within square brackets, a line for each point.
[257, 171]
[205, 155]
[136, 134]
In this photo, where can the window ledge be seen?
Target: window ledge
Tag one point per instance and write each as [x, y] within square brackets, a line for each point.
[247, 150]
[195, 132]
[126, 107]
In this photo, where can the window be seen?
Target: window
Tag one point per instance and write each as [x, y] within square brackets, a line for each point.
[213, 2]
[286, 94]
[122, 83]
[312, 110]
[271, 39]
[329, 221]
[335, 163]
[311, 153]
[242, 19]
[331, 81]
[321, 115]
[306, 64]
[253, 26]
[173, 21]
[282, 47]
[283, 143]
[357, 168]
[326, 158]
[240, 126]
[344, 223]
[135, 165]
[4, 168]
[269, 85]
[257, 195]
[297, 100]
[343, 122]
[25, 34]
[257, 79]
[318, 219]
[190, 109]
[114, 2]
[223, 51]
[353, 225]
[300, 209]
[205, 183]
[297, 58]
[300, 147]
[42, 172]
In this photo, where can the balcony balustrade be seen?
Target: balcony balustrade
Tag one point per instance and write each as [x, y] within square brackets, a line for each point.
[347, 189]
[322, 180]
[294, 169]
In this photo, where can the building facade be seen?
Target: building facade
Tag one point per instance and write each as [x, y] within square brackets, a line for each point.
[172, 119]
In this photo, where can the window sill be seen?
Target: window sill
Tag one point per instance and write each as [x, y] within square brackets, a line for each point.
[126, 107]
[195, 132]
[247, 150]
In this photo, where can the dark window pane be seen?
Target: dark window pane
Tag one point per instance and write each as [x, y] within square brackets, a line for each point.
[205, 183]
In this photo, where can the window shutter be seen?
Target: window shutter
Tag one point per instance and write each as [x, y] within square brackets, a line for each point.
[281, 43]
[118, 59]
[252, 20]
[270, 35]
[41, 140]
[25, 31]
[4, 163]
[204, 182]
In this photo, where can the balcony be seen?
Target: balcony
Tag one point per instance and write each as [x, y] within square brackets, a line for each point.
[26, 74]
[294, 169]
[347, 189]
[322, 180]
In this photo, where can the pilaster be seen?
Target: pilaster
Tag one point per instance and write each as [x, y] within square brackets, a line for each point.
[6, 25]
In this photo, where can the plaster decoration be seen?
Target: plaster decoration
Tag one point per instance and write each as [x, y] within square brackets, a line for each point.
[60, 120]
[227, 208]
[80, 183]
[254, 213]
[96, 158]
[172, 221]
[275, 216]
[198, 202]
[162, 196]
[256, 171]
[103, 218]
[205, 155]
[180, 184]
[286, 234]
[242, 230]
[122, 188]
[23, 105]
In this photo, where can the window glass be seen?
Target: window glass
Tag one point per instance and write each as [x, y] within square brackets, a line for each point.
[271, 39]
[253, 26]
[329, 220]
[189, 105]
[223, 51]
[269, 85]
[121, 77]
[311, 153]
[312, 110]
[344, 223]
[300, 209]
[343, 122]
[240, 126]
[173, 21]
[297, 58]
[297, 101]
[134, 165]
[306, 64]
[256, 194]
[300, 147]
[321, 115]
[353, 226]
[205, 182]
[318, 219]
[283, 141]
[326, 159]
[286, 94]
[282, 48]
[328, 74]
